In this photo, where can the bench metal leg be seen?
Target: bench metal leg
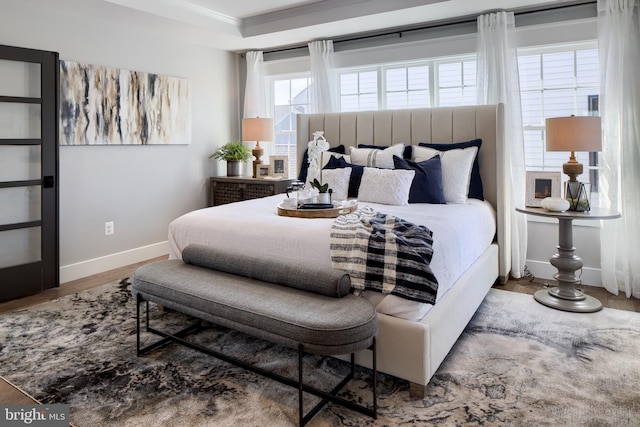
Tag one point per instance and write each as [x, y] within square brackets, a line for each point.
[168, 338]
[375, 380]
[332, 395]
[303, 419]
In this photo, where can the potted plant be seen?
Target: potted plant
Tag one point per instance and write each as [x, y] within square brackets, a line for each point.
[323, 189]
[233, 153]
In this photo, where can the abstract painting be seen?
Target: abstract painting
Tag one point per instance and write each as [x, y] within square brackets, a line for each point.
[110, 106]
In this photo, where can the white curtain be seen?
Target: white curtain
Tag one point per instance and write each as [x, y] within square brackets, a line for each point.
[498, 81]
[322, 92]
[255, 104]
[619, 45]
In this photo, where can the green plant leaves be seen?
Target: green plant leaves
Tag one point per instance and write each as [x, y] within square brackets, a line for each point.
[323, 188]
[232, 151]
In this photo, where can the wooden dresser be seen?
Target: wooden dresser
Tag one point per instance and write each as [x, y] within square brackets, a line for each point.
[229, 189]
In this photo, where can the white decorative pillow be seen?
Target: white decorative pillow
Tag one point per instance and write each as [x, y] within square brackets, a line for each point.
[338, 180]
[386, 186]
[376, 158]
[456, 169]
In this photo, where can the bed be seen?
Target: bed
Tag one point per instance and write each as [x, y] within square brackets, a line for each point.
[413, 339]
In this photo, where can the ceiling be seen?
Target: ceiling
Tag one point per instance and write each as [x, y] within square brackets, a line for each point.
[240, 25]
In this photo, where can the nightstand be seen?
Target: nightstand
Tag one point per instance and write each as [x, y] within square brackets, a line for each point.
[229, 189]
[565, 296]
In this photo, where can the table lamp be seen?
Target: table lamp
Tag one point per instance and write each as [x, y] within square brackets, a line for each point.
[574, 134]
[257, 129]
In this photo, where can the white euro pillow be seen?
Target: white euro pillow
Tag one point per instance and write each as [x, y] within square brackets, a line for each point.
[456, 169]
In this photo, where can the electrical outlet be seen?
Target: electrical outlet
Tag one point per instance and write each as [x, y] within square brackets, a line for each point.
[109, 228]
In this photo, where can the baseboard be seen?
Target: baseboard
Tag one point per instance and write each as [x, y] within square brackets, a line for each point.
[544, 270]
[109, 262]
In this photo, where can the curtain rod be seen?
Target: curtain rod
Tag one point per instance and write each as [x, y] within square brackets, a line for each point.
[458, 21]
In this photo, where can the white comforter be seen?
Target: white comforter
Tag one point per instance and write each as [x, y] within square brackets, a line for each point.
[461, 232]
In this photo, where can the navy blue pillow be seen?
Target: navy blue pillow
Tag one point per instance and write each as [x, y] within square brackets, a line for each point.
[304, 167]
[426, 186]
[475, 184]
[356, 173]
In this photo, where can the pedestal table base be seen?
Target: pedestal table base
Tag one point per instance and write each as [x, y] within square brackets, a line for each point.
[586, 304]
[565, 296]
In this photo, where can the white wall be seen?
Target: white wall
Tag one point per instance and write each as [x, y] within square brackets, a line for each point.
[543, 239]
[140, 188]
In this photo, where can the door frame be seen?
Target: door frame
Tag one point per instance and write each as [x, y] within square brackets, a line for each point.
[47, 270]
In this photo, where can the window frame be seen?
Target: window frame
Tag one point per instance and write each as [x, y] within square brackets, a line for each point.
[292, 148]
[352, 70]
[433, 84]
[591, 167]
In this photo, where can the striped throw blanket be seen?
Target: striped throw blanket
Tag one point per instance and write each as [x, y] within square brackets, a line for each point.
[385, 254]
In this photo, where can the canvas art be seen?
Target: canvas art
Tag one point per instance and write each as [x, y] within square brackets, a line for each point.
[110, 106]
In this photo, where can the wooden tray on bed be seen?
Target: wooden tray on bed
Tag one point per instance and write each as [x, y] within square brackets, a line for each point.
[315, 213]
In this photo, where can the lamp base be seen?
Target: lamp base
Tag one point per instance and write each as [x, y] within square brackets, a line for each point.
[572, 168]
[257, 151]
[577, 196]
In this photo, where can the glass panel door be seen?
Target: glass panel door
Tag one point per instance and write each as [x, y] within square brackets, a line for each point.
[28, 154]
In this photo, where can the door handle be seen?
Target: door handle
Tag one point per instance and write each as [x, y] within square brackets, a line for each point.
[48, 181]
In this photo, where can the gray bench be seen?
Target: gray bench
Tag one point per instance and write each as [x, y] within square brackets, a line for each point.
[297, 306]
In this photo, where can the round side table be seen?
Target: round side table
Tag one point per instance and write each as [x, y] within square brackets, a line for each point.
[565, 296]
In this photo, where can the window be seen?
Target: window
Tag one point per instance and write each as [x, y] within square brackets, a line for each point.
[456, 83]
[437, 82]
[407, 87]
[289, 98]
[557, 82]
[554, 81]
[359, 91]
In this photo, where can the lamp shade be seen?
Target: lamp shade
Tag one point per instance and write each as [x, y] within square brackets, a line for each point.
[574, 134]
[257, 129]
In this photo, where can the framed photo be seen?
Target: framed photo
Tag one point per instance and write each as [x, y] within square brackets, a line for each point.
[541, 185]
[279, 166]
[263, 171]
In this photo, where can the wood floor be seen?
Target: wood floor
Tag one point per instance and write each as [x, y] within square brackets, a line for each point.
[73, 287]
[531, 285]
[11, 394]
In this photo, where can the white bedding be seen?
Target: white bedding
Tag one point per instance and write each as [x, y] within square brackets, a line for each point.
[461, 232]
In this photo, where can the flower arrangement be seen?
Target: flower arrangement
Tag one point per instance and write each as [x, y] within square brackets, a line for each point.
[314, 151]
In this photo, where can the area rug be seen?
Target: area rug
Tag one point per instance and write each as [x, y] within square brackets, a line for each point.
[517, 363]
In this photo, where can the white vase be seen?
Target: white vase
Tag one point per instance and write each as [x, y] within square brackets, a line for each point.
[324, 198]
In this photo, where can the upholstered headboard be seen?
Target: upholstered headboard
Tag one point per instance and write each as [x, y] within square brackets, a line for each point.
[437, 125]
